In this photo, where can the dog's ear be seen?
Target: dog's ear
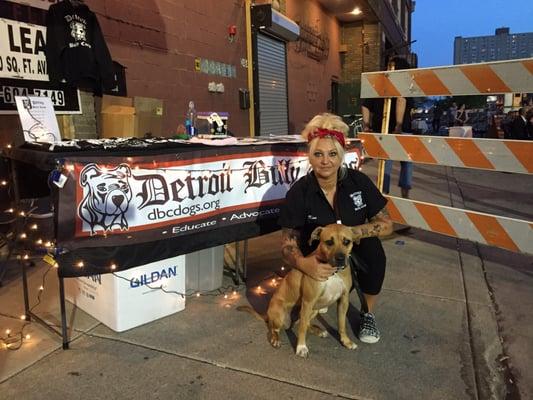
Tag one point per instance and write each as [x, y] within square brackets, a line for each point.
[88, 172]
[315, 235]
[356, 234]
[125, 169]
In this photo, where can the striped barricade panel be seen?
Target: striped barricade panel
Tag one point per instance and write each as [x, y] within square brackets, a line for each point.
[491, 154]
[507, 233]
[468, 79]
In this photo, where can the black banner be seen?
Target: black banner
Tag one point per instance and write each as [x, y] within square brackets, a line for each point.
[65, 99]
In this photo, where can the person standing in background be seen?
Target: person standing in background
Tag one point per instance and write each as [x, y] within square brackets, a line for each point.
[518, 128]
[452, 114]
[437, 113]
[399, 122]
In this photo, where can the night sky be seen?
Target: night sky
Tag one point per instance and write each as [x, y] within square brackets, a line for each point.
[436, 23]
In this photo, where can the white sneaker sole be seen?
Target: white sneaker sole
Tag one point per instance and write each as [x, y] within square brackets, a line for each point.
[369, 339]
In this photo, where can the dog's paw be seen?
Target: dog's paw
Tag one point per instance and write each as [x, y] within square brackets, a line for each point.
[316, 330]
[302, 351]
[349, 344]
[274, 340]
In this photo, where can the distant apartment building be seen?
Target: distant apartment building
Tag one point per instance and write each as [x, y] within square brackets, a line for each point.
[503, 45]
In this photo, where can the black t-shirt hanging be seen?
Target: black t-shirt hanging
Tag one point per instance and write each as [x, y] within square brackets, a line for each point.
[76, 51]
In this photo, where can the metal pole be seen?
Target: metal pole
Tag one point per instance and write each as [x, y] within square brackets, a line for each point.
[64, 333]
[16, 194]
[237, 263]
[384, 130]
[244, 261]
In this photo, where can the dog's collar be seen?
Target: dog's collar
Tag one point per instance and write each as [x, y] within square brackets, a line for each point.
[339, 269]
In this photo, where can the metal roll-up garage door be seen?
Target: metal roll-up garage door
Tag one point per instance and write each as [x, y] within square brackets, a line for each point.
[272, 88]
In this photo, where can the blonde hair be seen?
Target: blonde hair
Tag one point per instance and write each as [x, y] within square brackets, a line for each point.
[327, 121]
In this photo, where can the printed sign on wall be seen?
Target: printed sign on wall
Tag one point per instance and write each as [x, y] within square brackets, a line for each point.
[22, 49]
[44, 4]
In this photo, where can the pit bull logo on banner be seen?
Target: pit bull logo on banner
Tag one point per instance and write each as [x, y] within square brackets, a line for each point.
[107, 197]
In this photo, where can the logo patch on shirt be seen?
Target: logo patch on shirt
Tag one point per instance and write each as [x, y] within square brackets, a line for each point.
[357, 198]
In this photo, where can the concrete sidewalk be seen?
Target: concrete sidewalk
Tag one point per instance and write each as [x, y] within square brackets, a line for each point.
[455, 320]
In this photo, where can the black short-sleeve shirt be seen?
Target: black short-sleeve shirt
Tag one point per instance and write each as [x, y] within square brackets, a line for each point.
[357, 200]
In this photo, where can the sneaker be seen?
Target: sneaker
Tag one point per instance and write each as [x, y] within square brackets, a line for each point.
[368, 331]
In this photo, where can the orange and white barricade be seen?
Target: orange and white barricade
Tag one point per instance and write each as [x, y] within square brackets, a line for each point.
[489, 154]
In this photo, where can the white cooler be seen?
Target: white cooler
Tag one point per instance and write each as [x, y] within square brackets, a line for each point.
[126, 302]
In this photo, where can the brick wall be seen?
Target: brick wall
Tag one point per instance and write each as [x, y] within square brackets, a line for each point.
[309, 79]
[158, 41]
[354, 58]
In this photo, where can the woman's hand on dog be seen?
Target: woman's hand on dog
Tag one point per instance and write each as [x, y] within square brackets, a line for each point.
[317, 270]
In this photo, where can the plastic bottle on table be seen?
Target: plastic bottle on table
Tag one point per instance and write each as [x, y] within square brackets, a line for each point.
[190, 121]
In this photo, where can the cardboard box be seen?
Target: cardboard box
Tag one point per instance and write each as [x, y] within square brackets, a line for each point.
[148, 116]
[123, 300]
[117, 117]
[129, 117]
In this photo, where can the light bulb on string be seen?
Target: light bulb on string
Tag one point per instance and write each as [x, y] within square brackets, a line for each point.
[34, 227]
[41, 288]
[8, 332]
[27, 337]
[23, 317]
[113, 266]
[80, 264]
[3, 183]
[197, 294]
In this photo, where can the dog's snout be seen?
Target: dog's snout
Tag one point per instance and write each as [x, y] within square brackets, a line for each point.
[340, 259]
[117, 199]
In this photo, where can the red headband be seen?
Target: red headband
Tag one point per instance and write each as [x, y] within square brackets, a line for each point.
[322, 133]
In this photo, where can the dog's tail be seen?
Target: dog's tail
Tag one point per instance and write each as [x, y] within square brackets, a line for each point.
[250, 310]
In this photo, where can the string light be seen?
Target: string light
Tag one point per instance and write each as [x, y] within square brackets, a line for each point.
[198, 294]
[113, 266]
[80, 264]
[10, 210]
[41, 288]
[8, 332]
[22, 214]
[39, 241]
[23, 235]
[23, 317]
[28, 337]
[34, 227]
[8, 146]
[3, 183]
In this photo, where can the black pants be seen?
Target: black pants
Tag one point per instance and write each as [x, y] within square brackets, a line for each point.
[368, 265]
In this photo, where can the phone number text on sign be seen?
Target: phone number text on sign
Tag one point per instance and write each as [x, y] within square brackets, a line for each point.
[8, 93]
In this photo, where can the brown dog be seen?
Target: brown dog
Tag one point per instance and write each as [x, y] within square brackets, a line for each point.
[335, 245]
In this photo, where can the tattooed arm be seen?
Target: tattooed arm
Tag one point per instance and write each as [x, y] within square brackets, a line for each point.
[379, 225]
[292, 256]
